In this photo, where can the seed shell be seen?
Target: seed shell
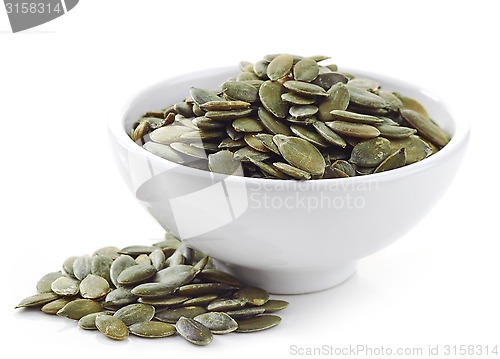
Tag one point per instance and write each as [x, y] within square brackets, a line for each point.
[274, 305]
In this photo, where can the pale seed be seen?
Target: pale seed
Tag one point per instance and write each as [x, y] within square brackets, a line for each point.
[193, 331]
[135, 313]
[225, 163]
[44, 285]
[37, 300]
[78, 308]
[306, 70]
[356, 130]
[111, 327]
[258, 323]
[279, 67]
[152, 329]
[270, 97]
[93, 287]
[173, 315]
[65, 286]
[217, 322]
[136, 274]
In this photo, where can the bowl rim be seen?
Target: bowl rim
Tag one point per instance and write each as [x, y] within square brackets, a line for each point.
[458, 140]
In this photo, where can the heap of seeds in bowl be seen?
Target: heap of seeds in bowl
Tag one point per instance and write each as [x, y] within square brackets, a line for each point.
[153, 292]
[289, 117]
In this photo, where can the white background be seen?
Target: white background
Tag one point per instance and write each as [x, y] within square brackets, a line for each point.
[61, 193]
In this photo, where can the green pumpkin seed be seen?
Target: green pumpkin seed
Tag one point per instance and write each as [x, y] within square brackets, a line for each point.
[164, 151]
[152, 290]
[268, 169]
[119, 265]
[202, 96]
[136, 274]
[168, 134]
[202, 135]
[301, 154]
[37, 300]
[305, 88]
[365, 98]
[416, 148]
[225, 163]
[303, 111]
[189, 150]
[311, 136]
[183, 108]
[135, 313]
[270, 97]
[87, 322]
[297, 99]
[356, 130]
[354, 117]
[274, 305]
[330, 136]
[217, 322]
[255, 143]
[166, 301]
[157, 258]
[245, 312]
[176, 276]
[111, 327]
[214, 275]
[260, 69]
[193, 331]
[56, 305]
[152, 329]
[65, 286]
[258, 323]
[318, 58]
[367, 84]
[243, 154]
[327, 80]
[396, 160]
[412, 104]
[332, 172]
[82, 267]
[345, 167]
[252, 295]
[109, 251]
[225, 105]
[267, 142]
[68, 266]
[200, 301]
[390, 131]
[174, 314]
[246, 124]
[223, 305]
[246, 76]
[93, 287]
[207, 124]
[230, 144]
[101, 266]
[337, 99]
[292, 171]
[228, 115]
[240, 91]
[371, 153]
[272, 124]
[136, 250]
[199, 289]
[78, 308]
[306, 70]
[44, 284]
[120, 297]
[394, 102]
[279, 67]
[426, 127]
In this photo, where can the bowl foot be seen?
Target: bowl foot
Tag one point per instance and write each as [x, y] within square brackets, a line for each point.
[291, 281]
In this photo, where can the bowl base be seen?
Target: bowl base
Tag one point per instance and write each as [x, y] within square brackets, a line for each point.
[291, 281]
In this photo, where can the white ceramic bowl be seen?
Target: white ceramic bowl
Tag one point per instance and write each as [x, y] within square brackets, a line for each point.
[285, 236]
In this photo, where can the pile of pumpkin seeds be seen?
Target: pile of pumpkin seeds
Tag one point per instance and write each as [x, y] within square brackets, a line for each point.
[289, 117]
[154, 292]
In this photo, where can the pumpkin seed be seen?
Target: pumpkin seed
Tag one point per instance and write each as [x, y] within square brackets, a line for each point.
[247, 124]
[305, 88]
[292, 171]
[44, 284]
[303, 111]
[152, 329]
[327, 80]
[426, 127]
[356, 130]
[255, 143]
[56, 305]
[345, 167]
[136, 250]
[157, 258]
[93, 287]
[297, 99]
[337, 99]
[306, 70]
[193, 331]
[65, 286]
[202, 96]
[252, 295]
[390, 131]
[396, 160]
[217, 322]
[274, 305]
[272, 124]
[200, 301]
[222, 305]
[330, 136]
[243, 154]
[245, 312]
[136, 274]
[135, 313]
[225, 105]
[188, 150]
[270, 97]
[230, 144]
[166, 301]
[214, 275]
[228, 115]
[258, 323]
[111, 327]
[174, 314]
[363, 97]
[119, 265]
[268, 169]
[240, 91]
[82, 267]
[260, 69]
[371, 153]
[225, 163]
[175, 276]
[354, 117]
[87, 322]
[168, 134]
[367, 84]
[37, 300]
[78, 308]
[68, 266]
[412, 104]
[199, 289]
[101, 266]
[301, 154]
[183, 108]
[416, 148]
[279, 67]
[120, 297]
[267, 142]
[152, 290]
